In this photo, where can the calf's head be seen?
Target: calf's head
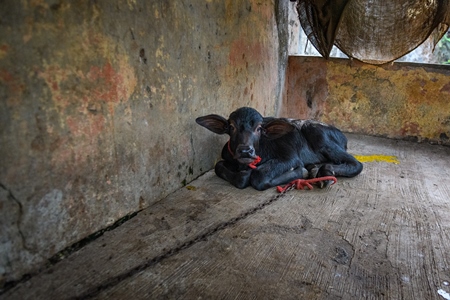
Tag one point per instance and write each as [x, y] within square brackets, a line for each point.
[246, 127]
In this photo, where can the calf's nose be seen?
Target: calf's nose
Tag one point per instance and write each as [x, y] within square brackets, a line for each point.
[245, 151]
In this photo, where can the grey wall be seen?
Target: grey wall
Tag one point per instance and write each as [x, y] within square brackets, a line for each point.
[98, 101]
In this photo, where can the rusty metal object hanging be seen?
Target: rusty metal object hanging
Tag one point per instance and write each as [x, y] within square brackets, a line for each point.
[373, 31]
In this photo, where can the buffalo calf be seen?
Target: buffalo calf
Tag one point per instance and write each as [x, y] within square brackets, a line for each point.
[264, 152]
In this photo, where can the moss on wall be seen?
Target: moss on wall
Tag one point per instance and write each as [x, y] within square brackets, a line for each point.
[396, 101]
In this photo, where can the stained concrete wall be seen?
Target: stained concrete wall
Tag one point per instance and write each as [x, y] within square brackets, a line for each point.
[98, 101]
[404, 101]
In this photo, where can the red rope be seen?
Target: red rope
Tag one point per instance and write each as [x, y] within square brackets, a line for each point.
[253, 164]
[229, 148]
[300, 184]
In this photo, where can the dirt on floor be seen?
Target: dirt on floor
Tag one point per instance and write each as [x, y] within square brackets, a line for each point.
[384, 234]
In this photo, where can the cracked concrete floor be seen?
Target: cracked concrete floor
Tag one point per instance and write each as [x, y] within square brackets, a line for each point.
[381, 235]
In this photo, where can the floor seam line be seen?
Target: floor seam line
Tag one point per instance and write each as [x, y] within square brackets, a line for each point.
[111, 282]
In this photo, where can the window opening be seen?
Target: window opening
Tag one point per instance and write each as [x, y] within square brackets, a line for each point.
[299, 45]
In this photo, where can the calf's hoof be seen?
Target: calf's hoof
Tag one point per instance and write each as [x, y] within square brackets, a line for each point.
[312, 171]
[325, 183]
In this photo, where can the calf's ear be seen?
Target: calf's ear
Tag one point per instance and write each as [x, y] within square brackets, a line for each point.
[215, 123]
[277, 128]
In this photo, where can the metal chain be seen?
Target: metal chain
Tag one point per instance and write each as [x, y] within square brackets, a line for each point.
[170, 252]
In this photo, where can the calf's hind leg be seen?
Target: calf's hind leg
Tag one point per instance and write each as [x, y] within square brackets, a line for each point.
[276, 173]
[345, 165]
[321, 170]
[341, 164]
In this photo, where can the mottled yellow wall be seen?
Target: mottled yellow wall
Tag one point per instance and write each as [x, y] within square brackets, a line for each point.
[98, 102]
[396, 101]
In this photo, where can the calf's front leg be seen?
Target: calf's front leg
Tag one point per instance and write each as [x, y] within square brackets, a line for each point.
[232, 174]
[275, 172]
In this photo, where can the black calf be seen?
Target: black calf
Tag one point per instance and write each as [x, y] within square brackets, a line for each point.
[288, 149]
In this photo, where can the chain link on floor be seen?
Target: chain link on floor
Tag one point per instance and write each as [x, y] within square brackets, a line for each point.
[109, 283]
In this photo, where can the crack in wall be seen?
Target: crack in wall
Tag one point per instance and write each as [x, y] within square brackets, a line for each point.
[12, 198]
[63, 254]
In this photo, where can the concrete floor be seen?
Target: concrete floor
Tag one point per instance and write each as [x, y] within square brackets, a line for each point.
[382, 235]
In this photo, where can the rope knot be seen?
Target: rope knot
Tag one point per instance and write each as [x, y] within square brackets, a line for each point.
[300, 184]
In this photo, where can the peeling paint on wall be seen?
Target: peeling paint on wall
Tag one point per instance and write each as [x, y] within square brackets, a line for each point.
[396, 101]
[98, 108]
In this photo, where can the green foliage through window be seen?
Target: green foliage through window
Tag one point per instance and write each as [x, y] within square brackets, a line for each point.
[442, 51]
